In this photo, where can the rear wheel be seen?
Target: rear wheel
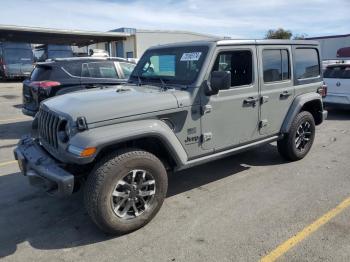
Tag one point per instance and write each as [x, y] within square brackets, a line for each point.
[297, 143]
[126, 191]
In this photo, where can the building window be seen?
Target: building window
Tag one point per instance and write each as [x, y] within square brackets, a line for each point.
[129, 54]
[307, 64]
[119, 47]
[276, 65]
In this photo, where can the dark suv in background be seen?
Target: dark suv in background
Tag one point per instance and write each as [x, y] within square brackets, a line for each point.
[44, 52]
[61, 76]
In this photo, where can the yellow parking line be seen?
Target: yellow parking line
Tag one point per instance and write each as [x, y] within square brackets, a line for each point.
[14, 119]
[287, 245]
[8, 163]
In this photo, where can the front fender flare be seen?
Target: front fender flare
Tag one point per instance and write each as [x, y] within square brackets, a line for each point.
[101, 137]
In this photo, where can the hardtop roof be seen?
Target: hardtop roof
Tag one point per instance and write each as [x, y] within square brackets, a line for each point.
[228, 42]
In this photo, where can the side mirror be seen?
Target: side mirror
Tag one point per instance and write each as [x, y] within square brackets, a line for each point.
[219, 80]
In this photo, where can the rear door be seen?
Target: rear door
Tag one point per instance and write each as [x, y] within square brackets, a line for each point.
[276, 85]
[95, 74]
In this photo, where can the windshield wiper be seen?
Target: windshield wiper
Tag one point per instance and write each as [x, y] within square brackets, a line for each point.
[164, 87]
[139, 80]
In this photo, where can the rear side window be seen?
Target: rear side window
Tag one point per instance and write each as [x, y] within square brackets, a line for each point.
[73, 69]
[239, 63]
[41, 73]
[276, 65]
[99, 70]
[127, 68]
[342, 72]
[307, 64]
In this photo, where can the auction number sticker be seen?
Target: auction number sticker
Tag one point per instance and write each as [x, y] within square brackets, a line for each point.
[194, 56]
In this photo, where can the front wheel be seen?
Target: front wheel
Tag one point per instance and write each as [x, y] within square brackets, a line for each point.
[297, 143]
[125, 191]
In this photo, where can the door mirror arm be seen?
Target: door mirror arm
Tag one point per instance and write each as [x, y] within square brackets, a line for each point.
[219, 80]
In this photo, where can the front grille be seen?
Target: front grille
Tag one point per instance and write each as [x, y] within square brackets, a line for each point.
[48, 124]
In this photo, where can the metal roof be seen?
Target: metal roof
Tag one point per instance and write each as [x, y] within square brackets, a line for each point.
[38, 35]
[327, 37]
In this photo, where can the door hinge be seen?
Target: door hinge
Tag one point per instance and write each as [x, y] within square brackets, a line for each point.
[207, 136]
[263, 123]
[206, 109]
[264, 99]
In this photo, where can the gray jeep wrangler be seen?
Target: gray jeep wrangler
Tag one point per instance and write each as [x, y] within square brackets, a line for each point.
[184, 105]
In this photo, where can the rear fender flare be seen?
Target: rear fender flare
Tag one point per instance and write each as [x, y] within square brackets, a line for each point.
[296, 106]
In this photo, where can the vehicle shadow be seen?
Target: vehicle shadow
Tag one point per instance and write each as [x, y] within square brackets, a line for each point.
[49, 223]
[15, 130]
[338, 114]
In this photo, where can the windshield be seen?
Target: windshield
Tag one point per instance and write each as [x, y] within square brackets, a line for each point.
[177, 65]
[18, 56]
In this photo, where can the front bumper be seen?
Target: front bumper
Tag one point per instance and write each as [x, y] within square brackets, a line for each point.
[41, 169]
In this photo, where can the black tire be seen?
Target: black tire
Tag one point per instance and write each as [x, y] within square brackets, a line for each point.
[102, 182]
[287, 146]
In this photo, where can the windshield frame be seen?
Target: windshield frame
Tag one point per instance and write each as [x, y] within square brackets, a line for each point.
[138, 77]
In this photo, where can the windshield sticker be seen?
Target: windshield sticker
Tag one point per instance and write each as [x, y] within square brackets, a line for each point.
[191, 56]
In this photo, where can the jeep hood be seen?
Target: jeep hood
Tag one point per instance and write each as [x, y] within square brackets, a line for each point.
[98, 105]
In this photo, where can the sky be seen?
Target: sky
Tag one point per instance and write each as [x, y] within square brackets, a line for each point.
[231, 18]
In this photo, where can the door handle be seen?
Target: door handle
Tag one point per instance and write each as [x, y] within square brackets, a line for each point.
[285, 94]
[250, 101]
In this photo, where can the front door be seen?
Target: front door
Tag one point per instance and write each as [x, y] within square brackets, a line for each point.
[277, 89]
[231, 117]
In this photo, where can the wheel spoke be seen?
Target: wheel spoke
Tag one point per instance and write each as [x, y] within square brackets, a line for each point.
[120, 194]
[135, 209]
[147, 193]
[148, 183]
[134, 172]
[120, 203]
[124, 183]
[126, 208]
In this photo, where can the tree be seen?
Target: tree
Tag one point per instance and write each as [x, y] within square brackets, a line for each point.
[280, 33]
[300, 37]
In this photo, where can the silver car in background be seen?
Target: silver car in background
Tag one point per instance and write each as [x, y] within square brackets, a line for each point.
[337, 78]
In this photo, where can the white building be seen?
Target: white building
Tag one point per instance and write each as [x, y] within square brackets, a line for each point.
[139, 40]
[331, 44]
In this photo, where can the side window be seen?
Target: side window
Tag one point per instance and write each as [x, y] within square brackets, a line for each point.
[275, 65]
[239, 63]
[99, 70]
[127, 68]
[307, 63]
[73, 69]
